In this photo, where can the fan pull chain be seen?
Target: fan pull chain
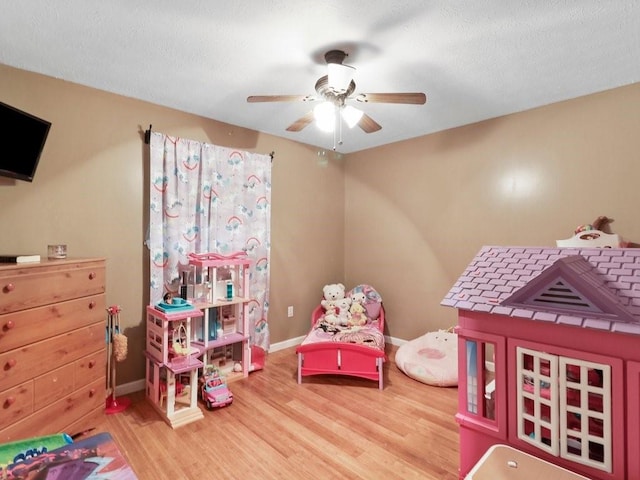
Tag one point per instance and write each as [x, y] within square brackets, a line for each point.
[337, 130]
[335, 127]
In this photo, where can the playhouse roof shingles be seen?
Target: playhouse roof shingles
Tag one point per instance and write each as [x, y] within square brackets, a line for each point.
[497, 273]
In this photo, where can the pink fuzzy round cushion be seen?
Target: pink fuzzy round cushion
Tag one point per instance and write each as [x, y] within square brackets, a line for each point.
[431, 358]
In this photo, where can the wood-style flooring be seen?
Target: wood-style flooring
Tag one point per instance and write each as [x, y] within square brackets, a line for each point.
[329, 427]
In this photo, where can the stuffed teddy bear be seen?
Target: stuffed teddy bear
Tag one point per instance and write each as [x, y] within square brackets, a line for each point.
[357, 310]
[331, 314]
[342, 307]
[331, 293]
[358, 296]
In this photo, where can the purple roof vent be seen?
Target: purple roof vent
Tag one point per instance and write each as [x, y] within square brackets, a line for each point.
[571, 285]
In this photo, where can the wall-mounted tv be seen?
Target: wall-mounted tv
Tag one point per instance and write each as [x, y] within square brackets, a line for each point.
[22, 138]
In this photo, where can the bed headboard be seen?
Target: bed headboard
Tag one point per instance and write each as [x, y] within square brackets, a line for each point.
[591, 238]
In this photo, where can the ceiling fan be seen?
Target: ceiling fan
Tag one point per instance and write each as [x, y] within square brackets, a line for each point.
[332, 92]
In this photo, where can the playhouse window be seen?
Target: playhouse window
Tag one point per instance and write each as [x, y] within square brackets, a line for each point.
[564, 406]
[480, 381]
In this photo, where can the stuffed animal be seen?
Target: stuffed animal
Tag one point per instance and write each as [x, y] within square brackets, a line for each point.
[331, 293]
[602, 223]
[358, 315]
[358, 296]
[372, 302]
[357, 310]
[331, 314]
[342, 306]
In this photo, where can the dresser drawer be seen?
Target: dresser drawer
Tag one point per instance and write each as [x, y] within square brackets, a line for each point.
[88, 422]
[28, 326]
[20, 364]
[59, 415]
[16, 403]
[90, 368]
[34, 286]
[53, 386]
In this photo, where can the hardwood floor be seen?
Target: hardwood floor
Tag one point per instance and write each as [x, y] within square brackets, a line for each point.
[326, 428]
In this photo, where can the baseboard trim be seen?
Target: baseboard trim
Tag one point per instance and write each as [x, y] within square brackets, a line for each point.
[131, 387]
[292, 342]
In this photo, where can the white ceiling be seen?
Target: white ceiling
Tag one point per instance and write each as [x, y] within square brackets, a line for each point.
[474, 59]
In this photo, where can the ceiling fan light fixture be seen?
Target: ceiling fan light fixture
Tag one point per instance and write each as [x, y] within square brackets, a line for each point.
[340, 77]
[351, 115]
[333, 91]
[325, 116]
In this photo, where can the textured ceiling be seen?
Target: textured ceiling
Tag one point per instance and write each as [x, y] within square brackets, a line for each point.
[474, 59]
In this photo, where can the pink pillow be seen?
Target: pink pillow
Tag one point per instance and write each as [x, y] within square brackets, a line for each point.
[431, 358]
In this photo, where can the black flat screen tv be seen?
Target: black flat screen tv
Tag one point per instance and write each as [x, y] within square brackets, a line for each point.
[22, 138]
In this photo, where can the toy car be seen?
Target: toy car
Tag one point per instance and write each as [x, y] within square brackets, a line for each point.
[214, 391]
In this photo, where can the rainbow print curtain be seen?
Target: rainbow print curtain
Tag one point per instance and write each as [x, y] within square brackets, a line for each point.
[207, 198]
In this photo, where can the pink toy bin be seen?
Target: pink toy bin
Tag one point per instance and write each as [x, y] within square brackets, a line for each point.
[502, 462]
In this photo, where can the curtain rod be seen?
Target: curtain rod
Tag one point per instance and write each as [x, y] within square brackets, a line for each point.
[147, 140]
[147, 135]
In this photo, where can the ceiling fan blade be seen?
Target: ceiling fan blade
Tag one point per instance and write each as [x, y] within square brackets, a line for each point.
[280, 98]
[368, 124]
[301, 123]
[406, 98]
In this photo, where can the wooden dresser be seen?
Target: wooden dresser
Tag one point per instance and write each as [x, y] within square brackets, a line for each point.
[52, 347]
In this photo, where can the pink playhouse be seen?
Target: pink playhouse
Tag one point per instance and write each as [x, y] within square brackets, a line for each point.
[549, 357]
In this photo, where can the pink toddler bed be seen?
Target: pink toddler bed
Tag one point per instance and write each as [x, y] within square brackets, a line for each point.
[352, 351]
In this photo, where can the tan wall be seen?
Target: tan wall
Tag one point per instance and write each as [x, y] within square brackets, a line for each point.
[91, 192]
[406, 218]
[419, 210]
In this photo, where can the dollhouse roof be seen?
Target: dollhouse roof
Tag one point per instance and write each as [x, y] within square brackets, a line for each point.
[587, 287]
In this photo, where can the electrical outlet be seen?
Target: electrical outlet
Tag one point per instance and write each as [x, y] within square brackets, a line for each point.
[290, 311]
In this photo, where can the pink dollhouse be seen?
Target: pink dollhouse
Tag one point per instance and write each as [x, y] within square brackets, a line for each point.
[172, 364]
[549, 357]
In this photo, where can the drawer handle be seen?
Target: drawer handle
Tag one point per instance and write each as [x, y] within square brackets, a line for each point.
[92, 392]
[11, 362]
[92, 275]
[92, 305]
[9, 325]
[92, 363]
[10, 401]
[9, 287]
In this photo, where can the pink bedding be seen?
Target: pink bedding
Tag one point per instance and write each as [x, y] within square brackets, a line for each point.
[368, 335]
